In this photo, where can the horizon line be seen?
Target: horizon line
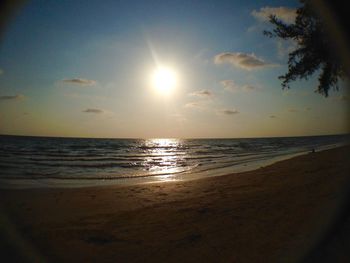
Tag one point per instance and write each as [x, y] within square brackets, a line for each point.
[178, 138]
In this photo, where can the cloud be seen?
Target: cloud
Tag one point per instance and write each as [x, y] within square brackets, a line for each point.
[292, 110]
[230, 85]
[202, 105]
[80, 82]
[12, 97]
[249, 88]
[193, 105]
[202, 93]
[90, 110]
[229, 111]
[285, 14]
[273, 116]
[1, 71]
[241, 60]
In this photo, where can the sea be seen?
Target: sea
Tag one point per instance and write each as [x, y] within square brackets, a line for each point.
[77, 162]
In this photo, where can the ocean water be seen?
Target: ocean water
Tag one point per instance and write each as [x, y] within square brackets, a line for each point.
[48, 161]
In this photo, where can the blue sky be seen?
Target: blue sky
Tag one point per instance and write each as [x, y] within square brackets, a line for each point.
[83, 68]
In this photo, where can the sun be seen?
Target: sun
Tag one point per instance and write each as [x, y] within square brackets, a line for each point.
[164, 80]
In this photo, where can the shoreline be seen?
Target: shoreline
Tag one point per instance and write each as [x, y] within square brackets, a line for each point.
[278, 213]
[190, 175]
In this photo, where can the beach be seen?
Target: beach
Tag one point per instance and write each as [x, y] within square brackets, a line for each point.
[277, 213]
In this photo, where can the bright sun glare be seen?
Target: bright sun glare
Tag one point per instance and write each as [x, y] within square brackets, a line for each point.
[164, 80]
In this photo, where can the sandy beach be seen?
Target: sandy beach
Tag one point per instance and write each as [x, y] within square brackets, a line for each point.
[277, 213]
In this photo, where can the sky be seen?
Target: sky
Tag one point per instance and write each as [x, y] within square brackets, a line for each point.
[86, 69]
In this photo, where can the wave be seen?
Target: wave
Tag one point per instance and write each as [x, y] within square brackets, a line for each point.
[68, 158]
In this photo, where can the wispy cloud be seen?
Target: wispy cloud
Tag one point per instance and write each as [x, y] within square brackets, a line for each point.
[1, 71]
[202, 93]
[283, 13]
[228, 111]
[80, 82]
[292, 110]
[249, 88]
[242, 60]
[92, 110]
[195, 105]
[230, 85]
[273, 116]
[12, 97]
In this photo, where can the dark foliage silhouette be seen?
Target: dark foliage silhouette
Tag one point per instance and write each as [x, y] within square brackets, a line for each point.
[315, 52]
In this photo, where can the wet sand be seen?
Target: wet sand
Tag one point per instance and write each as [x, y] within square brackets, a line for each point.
[274, 214]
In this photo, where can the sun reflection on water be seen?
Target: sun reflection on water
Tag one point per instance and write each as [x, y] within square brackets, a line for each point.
[165, 157]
